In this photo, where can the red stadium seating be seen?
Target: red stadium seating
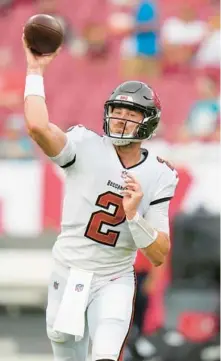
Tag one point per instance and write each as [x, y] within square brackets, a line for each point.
[77, 88]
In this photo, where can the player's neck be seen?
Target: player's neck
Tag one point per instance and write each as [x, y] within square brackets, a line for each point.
[130, 154]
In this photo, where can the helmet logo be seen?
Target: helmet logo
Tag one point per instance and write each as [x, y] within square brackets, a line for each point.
[124, 97]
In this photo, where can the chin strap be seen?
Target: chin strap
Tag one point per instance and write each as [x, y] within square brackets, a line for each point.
[120, 142]
[123, 141]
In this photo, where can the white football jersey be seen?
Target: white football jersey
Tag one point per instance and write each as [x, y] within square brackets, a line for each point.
[94, 232]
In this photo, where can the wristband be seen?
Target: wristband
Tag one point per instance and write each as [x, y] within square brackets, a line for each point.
[143, 234]
[34, 85]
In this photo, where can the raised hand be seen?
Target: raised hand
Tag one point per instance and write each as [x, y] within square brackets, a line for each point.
[37, 63]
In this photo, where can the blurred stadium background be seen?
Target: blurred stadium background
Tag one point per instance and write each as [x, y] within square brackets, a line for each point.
[175, 47]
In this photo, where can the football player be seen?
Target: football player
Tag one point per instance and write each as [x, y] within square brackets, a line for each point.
[116, 201]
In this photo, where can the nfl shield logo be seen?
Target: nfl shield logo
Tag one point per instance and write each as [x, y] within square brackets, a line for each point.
[79, 287]
[124, 174]
[56, 285]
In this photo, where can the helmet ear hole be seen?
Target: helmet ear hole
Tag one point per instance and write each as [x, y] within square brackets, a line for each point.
[149, 113]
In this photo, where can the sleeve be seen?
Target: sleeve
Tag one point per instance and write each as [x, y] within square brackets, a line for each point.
[158, 216]
[68, 154]
[158, 213]
[166, 186]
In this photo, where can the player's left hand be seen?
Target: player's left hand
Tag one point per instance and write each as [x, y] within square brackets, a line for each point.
[132, 195]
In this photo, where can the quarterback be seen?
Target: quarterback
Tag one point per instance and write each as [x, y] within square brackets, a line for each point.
[116, 201]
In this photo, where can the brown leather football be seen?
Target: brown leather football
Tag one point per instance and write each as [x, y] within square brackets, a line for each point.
[43, 34]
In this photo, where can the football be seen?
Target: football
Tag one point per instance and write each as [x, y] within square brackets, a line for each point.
[43, 34]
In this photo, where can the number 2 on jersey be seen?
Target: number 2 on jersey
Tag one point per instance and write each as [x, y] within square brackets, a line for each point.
[102, 218]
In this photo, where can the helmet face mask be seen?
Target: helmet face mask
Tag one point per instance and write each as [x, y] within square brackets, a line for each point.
[135, 96]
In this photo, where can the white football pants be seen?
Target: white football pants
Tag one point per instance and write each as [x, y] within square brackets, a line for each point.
[108, 317]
